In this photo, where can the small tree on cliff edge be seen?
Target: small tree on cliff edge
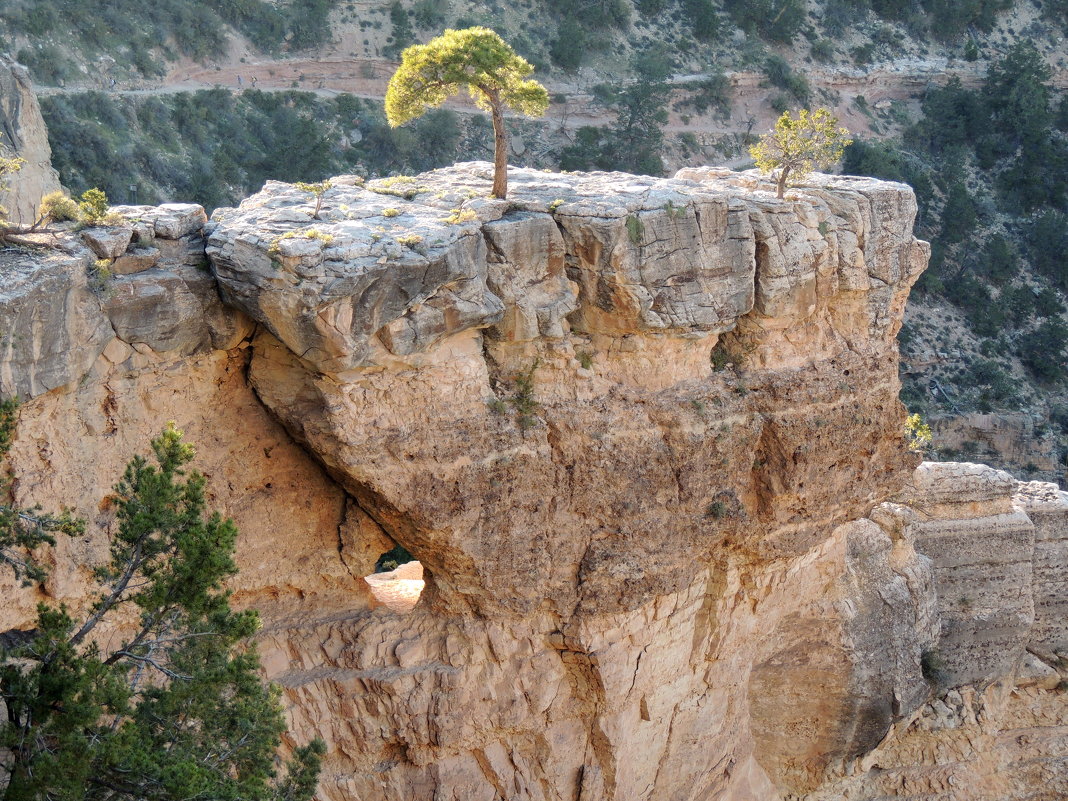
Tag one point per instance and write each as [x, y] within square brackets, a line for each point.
[797, 146]
[178, 709]
[479, 59]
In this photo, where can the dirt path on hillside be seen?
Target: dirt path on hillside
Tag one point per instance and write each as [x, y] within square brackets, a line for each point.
[856, 96]
[368, 78]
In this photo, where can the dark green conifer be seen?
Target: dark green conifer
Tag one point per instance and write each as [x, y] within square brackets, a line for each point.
[178, 710]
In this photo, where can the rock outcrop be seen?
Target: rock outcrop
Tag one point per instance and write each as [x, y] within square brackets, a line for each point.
[61, 308]
[996, 725]
[643, 437]
[23, 134]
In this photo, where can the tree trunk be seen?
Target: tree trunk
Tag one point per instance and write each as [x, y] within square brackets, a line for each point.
[500, 148]
[785, 171]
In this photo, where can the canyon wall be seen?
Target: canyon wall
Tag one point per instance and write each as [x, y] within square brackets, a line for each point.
[642, 435]
[23, 134]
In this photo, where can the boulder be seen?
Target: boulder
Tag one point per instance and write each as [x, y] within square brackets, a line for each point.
[108, 243]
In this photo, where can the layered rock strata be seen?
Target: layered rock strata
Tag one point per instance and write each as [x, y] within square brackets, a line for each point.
[642, 435]
[996, 725]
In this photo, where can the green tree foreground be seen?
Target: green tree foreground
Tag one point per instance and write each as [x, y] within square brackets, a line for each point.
[479, 59]
[178, 710]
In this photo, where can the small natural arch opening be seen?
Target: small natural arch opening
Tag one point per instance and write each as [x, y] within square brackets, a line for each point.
[397, 581]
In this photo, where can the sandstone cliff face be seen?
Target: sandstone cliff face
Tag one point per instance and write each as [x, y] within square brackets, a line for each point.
[997, 724]
[643, 436]
[23, 134]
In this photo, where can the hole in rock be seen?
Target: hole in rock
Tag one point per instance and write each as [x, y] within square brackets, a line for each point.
[398, 580]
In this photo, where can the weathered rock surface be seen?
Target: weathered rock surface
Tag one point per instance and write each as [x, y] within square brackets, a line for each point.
[648, 574]
[1047, 507]
[982, 546]
[108, 243]
[23, 134]
[60, 308]
[997, 725]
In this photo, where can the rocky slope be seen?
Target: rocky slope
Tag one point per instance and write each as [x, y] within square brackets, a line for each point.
[643, 436]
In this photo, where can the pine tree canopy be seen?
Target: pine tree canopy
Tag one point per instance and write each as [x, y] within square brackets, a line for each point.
[178, 710]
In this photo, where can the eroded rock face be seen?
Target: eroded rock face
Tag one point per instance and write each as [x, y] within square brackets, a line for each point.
[982, 546]
[643, 436]
[636, 278]
[996, 725]
[23, 134]
[60, 308]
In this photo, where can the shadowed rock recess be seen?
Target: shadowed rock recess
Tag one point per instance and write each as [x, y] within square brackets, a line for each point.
[643, 437]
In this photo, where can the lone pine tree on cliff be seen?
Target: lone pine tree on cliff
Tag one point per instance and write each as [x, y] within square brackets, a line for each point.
[495, 76]
[176, 709]
[798, 145]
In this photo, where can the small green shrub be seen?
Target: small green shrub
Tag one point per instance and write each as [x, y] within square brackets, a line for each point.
[822, 50]
[675, 212]
[390, 212]
[713, 91]
[8, 419]
[585, 358]
[779, 102]
[402, 186]
[782, 76]
[57, 207]
[863, 54]
[100, 275]
[635, 229]
[722, 355]
[522, 399]
[719, 357]
[569, 48]
[93, 207]
[458, 216]
[322, 236]
[917, 434]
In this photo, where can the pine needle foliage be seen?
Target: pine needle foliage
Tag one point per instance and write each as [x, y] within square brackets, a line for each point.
[798, 145]
[178, 709]
[476, 59]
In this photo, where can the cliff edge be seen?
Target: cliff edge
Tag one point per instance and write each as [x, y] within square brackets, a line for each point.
[641, 434]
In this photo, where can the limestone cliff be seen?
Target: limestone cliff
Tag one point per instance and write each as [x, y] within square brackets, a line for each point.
[23, 134]
[643, 436]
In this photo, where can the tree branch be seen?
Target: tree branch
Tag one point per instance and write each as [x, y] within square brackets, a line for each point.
[111, 600]
[152, 662]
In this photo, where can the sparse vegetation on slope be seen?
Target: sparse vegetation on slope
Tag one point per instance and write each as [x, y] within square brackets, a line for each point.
[990, 168]
[213, 148]
[143, 36]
